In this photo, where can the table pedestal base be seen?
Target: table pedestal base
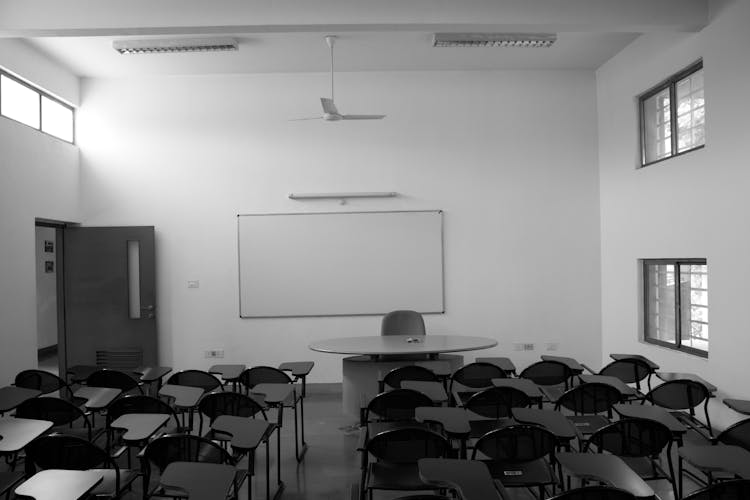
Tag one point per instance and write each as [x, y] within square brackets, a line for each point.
[362, 373]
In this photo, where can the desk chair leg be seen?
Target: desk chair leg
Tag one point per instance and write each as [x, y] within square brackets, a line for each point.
[300, 454]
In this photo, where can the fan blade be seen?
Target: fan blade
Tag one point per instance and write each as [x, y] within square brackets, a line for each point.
[302, 119]
[362, 117]
[328, 106]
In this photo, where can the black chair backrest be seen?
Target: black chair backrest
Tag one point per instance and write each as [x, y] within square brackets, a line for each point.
[629, 370]
[138, 403]
[263, 375]
[170, 448]
[402, 322]
[547, 373]
[497, 402]
[595, 493]
[477, 375]
[229, 403]
[631, 437]
[196, 378]
[406, 445]
[679, 394]
[56, 410]
[58, 451]
[396, 405]
[410, 372]
[590, 399]
[114, 379]
[516, 443]
[737, 434]
[40, 380]
[736, 489]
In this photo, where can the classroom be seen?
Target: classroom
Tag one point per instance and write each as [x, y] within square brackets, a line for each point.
[554, 210]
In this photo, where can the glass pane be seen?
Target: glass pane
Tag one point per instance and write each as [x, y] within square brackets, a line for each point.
[134, 278]
[19, 102]
[694, 305]
[57, 119]
[690, 121]
[657, 127]
[660, 302]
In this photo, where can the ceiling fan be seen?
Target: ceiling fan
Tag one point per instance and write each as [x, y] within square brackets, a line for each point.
[330, 112]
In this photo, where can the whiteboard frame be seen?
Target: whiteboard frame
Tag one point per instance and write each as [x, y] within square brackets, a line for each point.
[442, 261]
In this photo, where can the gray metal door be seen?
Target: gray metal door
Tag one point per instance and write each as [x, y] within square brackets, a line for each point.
[110, 297]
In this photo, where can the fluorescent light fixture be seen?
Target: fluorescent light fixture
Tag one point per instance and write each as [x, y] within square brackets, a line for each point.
[534, 40]
[174, 45]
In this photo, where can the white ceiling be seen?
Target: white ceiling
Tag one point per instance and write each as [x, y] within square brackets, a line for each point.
[287, 35]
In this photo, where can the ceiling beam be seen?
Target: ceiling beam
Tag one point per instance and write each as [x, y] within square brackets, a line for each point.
[33, 18]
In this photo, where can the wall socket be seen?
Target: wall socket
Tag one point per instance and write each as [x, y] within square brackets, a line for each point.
[523, 347]
[215, 353]
[553, 346]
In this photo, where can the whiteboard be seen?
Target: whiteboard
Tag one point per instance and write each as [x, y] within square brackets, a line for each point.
[342, 263]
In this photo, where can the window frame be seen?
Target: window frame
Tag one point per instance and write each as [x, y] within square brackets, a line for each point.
[670, 84]
[677, 345]
[39, 93]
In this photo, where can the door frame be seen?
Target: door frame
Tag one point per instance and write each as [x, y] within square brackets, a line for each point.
[59, 227]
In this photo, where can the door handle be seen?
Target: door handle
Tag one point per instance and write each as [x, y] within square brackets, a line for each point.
[149, 310]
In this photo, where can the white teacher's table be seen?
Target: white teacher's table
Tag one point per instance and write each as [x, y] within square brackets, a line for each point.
[376, 355]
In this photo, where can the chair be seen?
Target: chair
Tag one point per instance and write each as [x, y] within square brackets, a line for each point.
[59, 451]
[519, 456]
[396, 452]
[394, 377]
[8, 481]
[138, 403]
[495, 403]
[549, 373]
[472, 378]
[397, 405]
[595, 493]
[639, 442]
[196, 378]
[629, 370]
[227, 403]
[737, 489]
[681, 395]
[45, 382]
[162, 451]
[113, 379]
[270, 375]
[402, 322]
[60, 413]
[737, 434]
[587, 402]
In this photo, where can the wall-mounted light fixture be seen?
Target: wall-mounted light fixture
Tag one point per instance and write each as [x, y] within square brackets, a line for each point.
[341, 196]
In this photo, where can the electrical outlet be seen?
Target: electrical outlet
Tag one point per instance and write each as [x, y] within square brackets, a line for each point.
[215, 353]
[194, 284]
[553, 346]
[528, 347]
[518, 347]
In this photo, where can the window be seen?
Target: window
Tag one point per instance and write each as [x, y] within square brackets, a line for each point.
[676, 304]
[673, 116]
[31, 106]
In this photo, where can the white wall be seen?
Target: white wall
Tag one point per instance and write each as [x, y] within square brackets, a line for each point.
[509, 156]
[692, 206]
[17, 56]
[38, 178]
[46, 288]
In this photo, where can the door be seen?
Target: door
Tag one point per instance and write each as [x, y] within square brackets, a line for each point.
[110, 293]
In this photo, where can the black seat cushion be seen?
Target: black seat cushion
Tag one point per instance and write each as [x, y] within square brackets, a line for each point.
[388, 476]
